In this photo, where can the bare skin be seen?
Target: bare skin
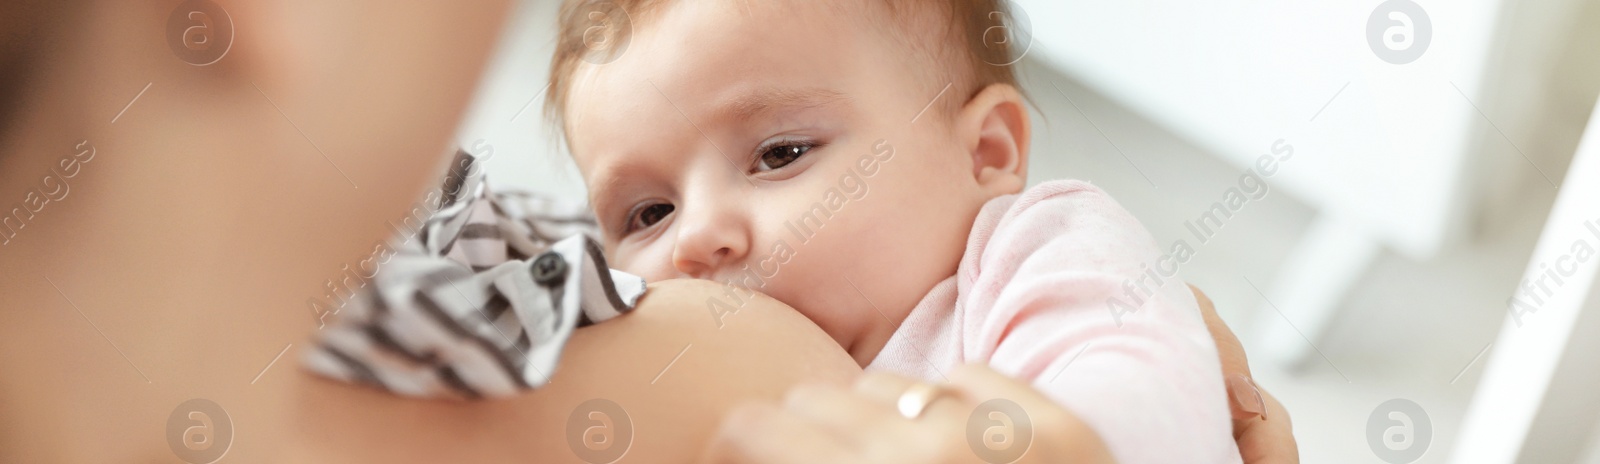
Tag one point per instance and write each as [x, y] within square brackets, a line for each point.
[687, 181]
[756, 355]
[222, 197]
[829, 423]
[1263, 429]
[180, 263]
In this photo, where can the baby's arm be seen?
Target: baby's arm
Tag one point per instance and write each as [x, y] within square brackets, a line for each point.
[1046, 306]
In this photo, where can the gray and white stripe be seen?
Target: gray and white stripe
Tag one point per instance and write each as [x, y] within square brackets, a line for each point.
[481, 303]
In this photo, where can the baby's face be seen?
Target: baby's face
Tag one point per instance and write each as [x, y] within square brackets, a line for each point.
[777, 139]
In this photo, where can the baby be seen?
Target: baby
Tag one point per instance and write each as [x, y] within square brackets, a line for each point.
[865, 163]
[861, 161]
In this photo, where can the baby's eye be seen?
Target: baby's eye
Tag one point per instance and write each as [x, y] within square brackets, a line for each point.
[648, 216]
[780, 155]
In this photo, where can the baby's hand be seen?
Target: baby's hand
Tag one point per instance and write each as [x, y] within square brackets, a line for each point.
[867, 424]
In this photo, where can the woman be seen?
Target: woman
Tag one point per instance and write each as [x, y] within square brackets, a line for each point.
[166, 218]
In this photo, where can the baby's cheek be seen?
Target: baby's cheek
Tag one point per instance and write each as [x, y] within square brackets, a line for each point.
[822, 286]
[837, 314]
[648, 263]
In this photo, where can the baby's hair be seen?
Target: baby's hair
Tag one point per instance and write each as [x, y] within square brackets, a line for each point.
[970, 32]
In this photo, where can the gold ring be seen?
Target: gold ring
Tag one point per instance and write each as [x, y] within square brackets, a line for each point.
[917, 398]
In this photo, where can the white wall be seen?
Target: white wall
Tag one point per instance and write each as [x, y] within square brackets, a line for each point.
[1409, 328]
[508, 112]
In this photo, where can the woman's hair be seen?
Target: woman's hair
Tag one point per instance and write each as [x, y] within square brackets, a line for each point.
[27, 35]
[969, 32]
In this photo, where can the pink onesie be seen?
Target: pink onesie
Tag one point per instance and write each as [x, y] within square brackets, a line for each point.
[1049, 292]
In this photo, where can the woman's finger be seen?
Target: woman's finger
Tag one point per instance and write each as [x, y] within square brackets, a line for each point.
[882, 387]
[842, 412]
[1070, 439]
[761, 433]
[1261, 425]
[983, 383]
[1229, 349]
[949, 406]
[1244, 398]
[1269, 439]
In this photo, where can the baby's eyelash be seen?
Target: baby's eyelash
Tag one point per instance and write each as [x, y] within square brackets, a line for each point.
[657, 210]
[798, 148]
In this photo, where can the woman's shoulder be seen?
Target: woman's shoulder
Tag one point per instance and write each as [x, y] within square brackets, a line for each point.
[704, 324]
[655, 382]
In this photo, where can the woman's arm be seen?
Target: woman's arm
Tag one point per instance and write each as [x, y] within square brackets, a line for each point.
[668, 366]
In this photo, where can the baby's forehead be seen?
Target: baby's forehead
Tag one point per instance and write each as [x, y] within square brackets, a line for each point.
[700, 61]
[922, 36]
[610, 150]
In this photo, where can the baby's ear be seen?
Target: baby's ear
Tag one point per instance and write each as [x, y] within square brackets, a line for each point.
[995, 132]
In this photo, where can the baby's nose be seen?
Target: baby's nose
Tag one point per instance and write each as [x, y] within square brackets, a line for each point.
[708, 242]
[706, 268]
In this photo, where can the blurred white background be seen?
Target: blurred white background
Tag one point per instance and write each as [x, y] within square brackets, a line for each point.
[1439, 174]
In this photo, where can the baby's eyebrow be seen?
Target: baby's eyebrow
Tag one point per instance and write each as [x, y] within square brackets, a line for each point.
[601, 195]
[754, 104]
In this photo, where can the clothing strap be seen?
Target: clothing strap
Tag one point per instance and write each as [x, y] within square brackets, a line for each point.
[480, 302]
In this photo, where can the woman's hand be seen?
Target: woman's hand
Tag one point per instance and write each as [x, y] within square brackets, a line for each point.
[1260, 424]
[832, 424]
[825, 423]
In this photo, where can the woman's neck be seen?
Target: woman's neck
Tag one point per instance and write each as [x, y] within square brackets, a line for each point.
[135, 273]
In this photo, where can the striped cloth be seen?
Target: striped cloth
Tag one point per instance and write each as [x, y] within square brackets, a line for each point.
[480, 303]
